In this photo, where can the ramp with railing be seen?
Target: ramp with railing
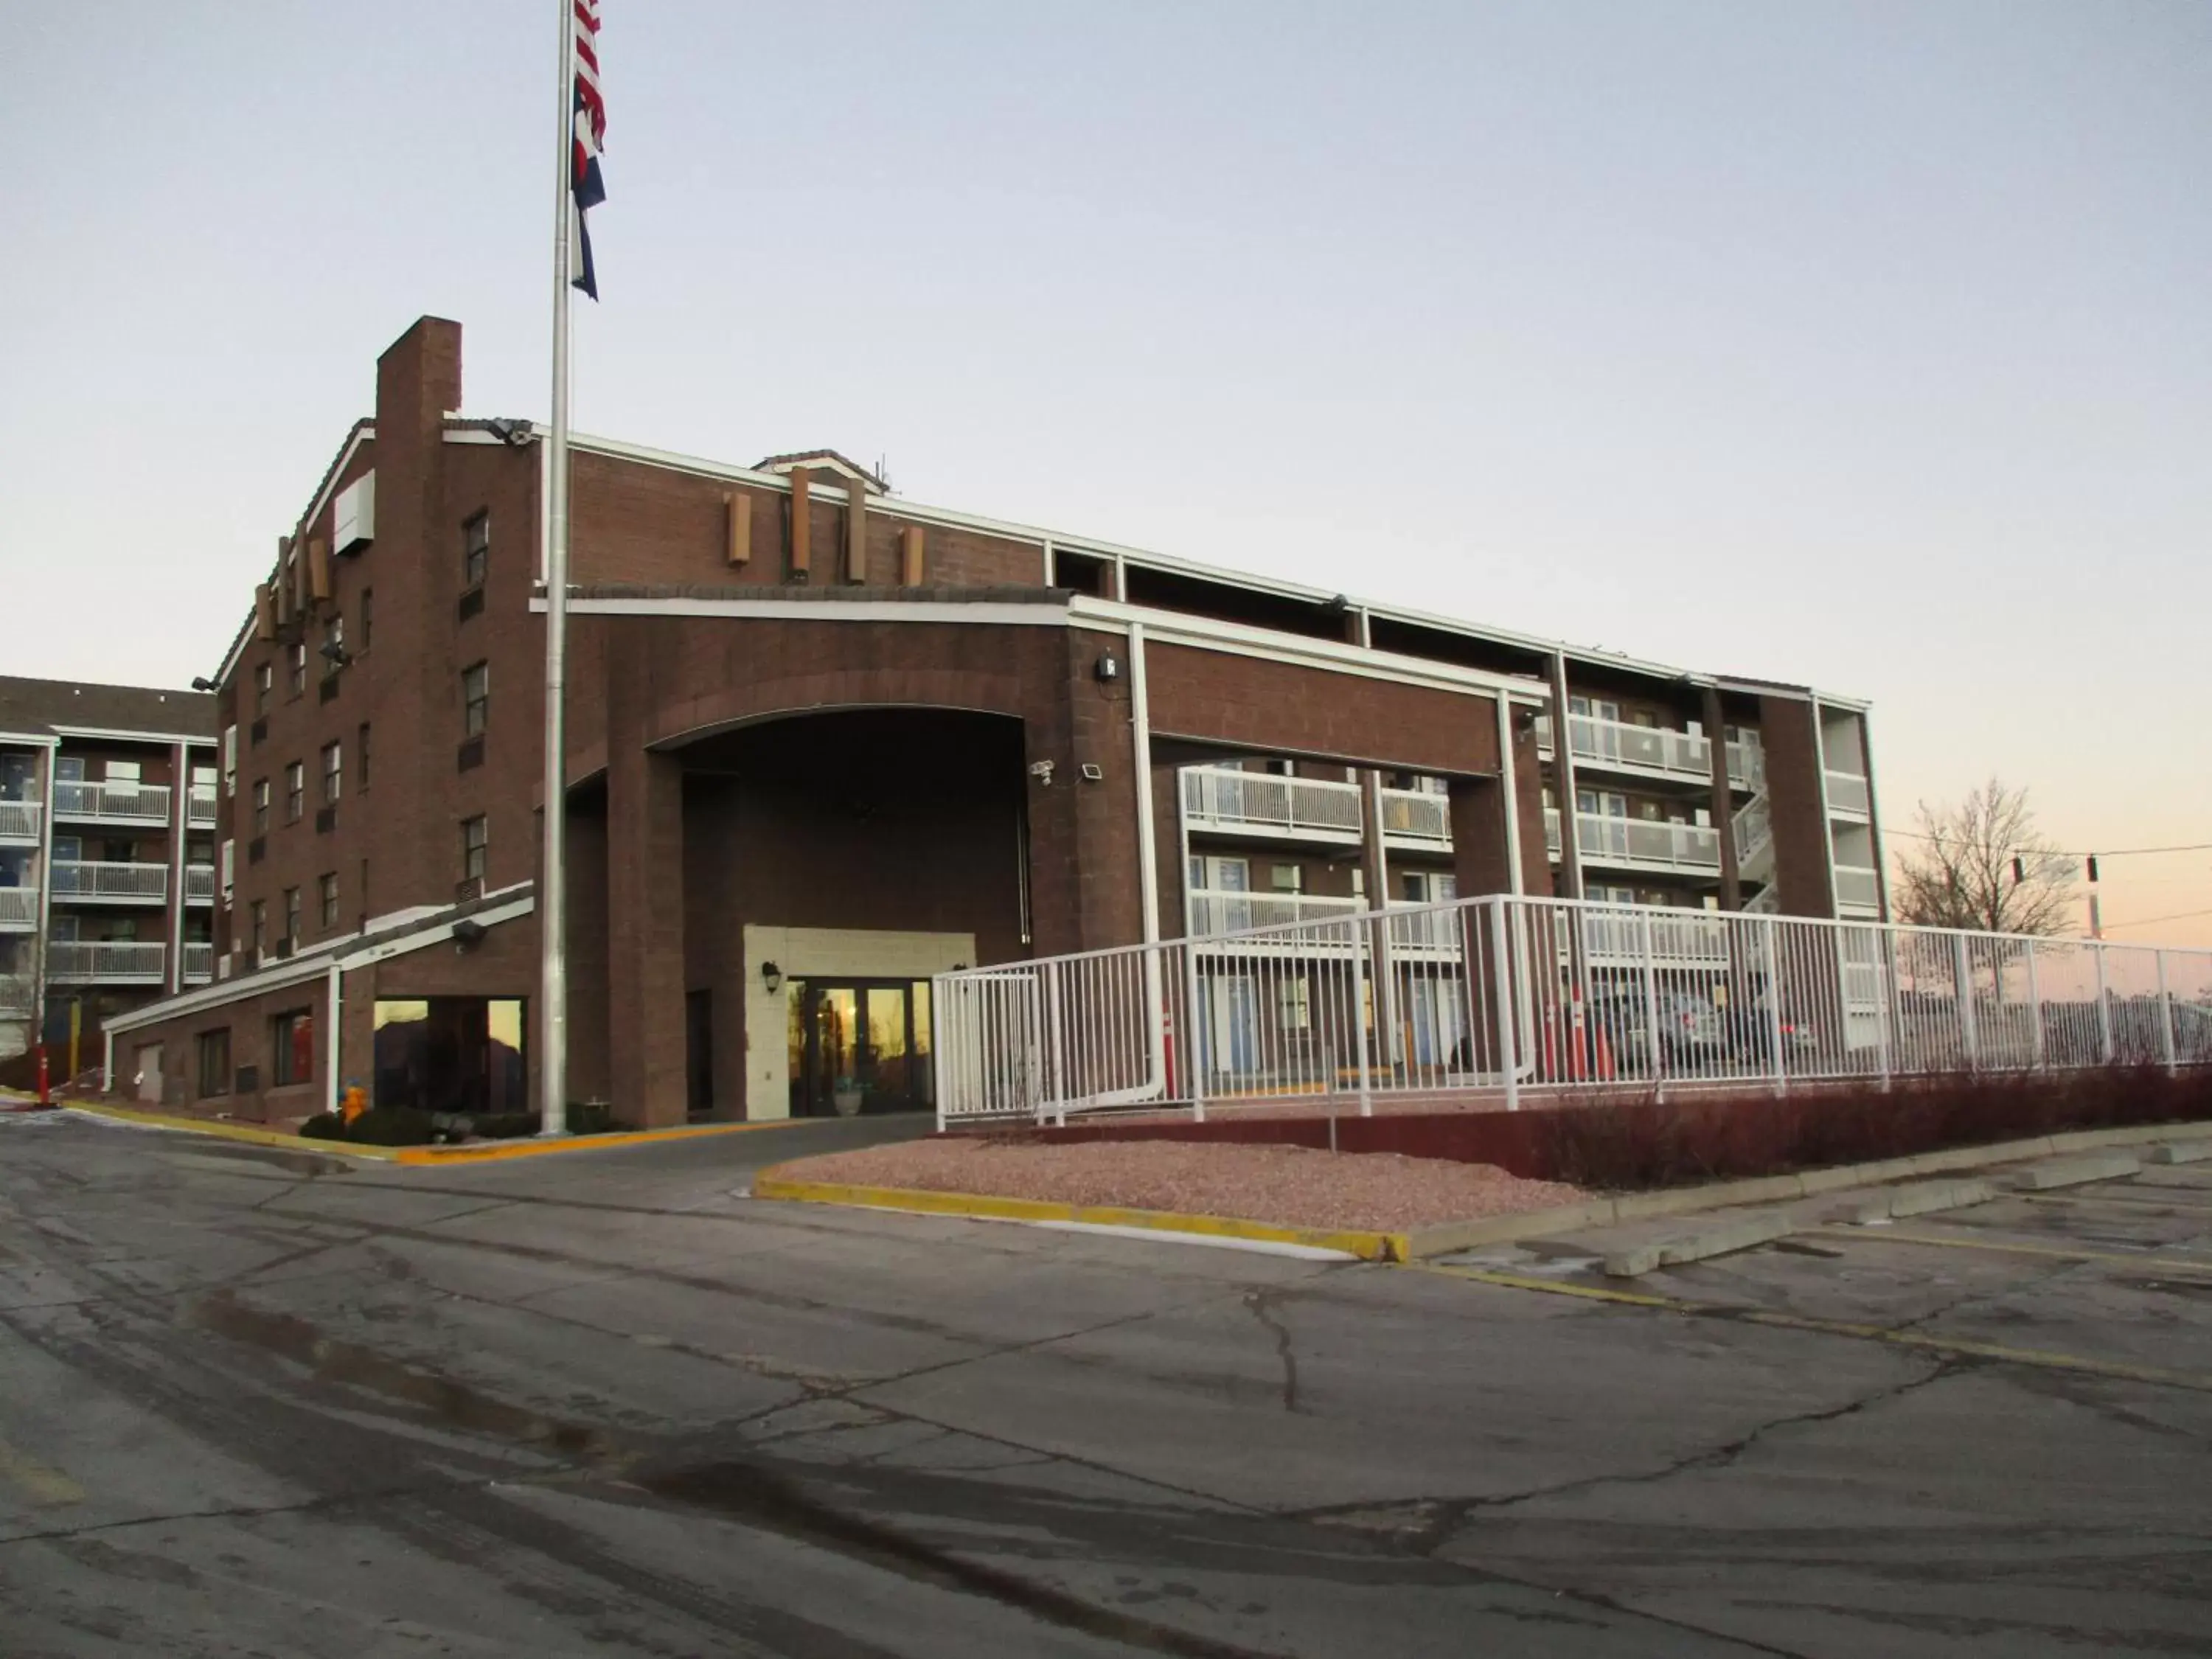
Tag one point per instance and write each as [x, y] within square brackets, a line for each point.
[1487, 1000]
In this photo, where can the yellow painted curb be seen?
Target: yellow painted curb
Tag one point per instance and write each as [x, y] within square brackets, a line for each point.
[231, 1131]
[530, 1146]
[527, 1147]
[1367, 1246]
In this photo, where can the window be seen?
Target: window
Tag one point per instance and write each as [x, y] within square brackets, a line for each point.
[367, 617]
[258, 912]
[229, 762]
[333, 649]
[330, 894]
[333, 771]
[264, 676]
[360, 757]
[476, 698]
[125, 772]
[261, 807]
[473, 839]
[1294, 1004]
[292, 1047]
[69, 768]
[296, 791]
[215, 1061]
[292, 915]
[1286, 877]
[476, 550]
[296, 674]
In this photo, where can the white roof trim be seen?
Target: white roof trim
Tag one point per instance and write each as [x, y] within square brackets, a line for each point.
[314, 964]
[30, 739]
[898, 507]
[103, 734]
[364, 433]
[918, 610]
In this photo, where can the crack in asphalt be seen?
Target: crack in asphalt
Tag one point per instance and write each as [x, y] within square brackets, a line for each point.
[1259, 1303]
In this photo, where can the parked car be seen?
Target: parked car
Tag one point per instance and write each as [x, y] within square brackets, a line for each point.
[1751, 1036]
[1690, 1033]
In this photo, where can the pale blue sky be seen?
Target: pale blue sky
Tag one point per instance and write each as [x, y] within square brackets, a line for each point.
[1864, 344]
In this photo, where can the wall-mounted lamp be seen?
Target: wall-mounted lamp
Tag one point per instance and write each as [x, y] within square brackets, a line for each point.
[202, 682]
[335, 653]
[1107, 669]
[771, 978]
[1042, 771]
[468, 933]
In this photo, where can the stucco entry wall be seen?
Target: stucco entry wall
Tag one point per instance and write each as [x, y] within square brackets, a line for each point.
[822, 953]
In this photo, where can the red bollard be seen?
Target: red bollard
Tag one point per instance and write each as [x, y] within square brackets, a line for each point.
[46, 1092]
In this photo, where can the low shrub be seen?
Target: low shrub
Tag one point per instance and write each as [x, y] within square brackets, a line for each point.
[504, 1125]
[324, 1126]
[591, 1117]
[392, 1126]
[1617, 1143]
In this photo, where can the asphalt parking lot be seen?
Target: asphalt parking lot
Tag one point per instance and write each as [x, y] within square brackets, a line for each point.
[260, 1401]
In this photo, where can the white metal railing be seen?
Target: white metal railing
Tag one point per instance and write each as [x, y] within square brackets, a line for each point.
[198, 962]
[199, 884]
[1222, 798]
[18, 995]
[104, 960]
[200, 806]
[1609, 743]
[130, 803]
[1504, 997]
[1747, 764]
[1754, 829]
[1416, 815]
[1643, 843]
[1848, 793]
[19, 820]
[1214, 910]
[1857, 888]
[81, 880]
[19, 906]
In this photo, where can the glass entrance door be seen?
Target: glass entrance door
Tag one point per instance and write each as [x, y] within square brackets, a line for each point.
[860, 1048]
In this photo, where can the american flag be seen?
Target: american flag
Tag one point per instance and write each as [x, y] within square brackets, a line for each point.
[590, 126]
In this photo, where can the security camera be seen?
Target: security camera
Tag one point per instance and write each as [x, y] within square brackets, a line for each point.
[202, 682]
[1042, 771]
[468, 933]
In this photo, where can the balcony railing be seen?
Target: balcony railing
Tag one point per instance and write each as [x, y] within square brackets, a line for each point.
[200, 807]
[1415, 815]
[113, 803]
[199, 884]
[1640, 843]
[1646, 750]
[1622, 937]
[1637, 843]
[107, 961]
[1858, 891]
[19, 906]
[1747, 764]
[1215, 911]
[199, 962]
[1847, 794]
[119, 883]
[1754, 838]
[1221, 797]
[19, 820]
[16, 998]
[1263, 803]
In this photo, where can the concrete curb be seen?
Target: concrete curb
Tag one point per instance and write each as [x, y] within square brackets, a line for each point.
[1748, 1234]
[2186, 1152]
[2077, 1172]
[487, 1152]
[1922, 1198]
[1448, 1237]
[1367, 1245]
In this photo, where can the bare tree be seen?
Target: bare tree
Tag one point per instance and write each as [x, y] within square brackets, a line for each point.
[1959, 870]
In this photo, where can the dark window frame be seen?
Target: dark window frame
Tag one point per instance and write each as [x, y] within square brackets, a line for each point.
[475, 548]
[476, 847]
[213, 1045]
[476, 701]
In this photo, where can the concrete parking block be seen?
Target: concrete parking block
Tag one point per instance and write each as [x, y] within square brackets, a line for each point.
[1920, 1198]
[2077, 1171]
[2182, 1152]
[1747, 1233]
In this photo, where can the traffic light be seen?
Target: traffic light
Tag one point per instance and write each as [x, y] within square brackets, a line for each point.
[2093, 867]
[2018, 869]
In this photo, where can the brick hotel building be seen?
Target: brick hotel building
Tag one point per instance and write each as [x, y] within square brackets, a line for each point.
[824, 742]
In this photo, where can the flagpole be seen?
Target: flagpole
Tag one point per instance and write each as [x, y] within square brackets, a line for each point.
[552, 883]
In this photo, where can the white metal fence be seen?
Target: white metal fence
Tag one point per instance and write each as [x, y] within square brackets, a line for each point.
[1505, 997]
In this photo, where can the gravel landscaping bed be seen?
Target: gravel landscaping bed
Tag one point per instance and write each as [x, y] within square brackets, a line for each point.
[1380, 1192]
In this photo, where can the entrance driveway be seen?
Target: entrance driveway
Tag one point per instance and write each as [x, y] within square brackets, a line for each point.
[254, 1399]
